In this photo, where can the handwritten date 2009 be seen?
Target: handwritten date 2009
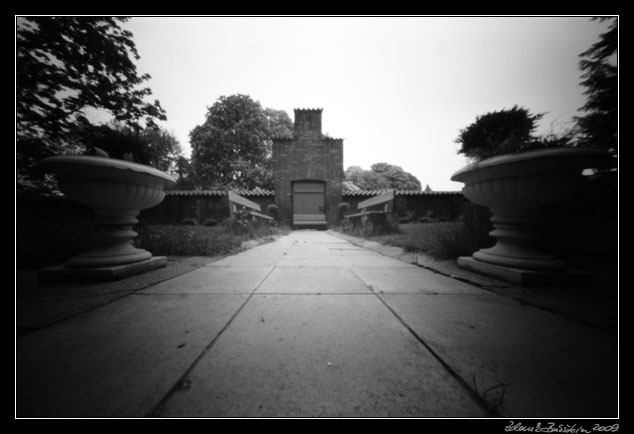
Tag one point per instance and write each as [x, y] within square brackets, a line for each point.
[551, 427]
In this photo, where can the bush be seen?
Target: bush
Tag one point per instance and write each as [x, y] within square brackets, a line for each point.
[189, 221]
[376, 225]
[210, 222]
[274, 210]
[477, 220]
[195, 240]
[442, 240]
[498, 132]
[450, 240]
[186, 241]
[243, 223]
[429, 217]
[236, 225]
[342, 209]
[389, 227]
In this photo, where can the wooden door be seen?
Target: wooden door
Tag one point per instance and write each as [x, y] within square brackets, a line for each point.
[308, 203]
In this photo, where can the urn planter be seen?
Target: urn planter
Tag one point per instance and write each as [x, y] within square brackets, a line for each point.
[117, 191]
[515, 188]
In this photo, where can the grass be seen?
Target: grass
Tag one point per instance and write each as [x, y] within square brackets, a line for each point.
[442, 240]
[43, 242]
[175, 240]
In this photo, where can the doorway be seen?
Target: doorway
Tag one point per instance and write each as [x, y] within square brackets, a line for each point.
[308, 204]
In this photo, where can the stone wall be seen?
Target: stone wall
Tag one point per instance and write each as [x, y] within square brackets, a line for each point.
[435, 206]
[416, 205]
[308, 156]
[198, 205]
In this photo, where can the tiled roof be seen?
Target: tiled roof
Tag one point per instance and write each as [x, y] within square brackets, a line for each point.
[425, 193]
[254, 192]
[362, 192]
[262, 192]
[398, 193]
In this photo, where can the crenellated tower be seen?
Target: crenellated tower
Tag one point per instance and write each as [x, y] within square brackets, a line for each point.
[307, 172]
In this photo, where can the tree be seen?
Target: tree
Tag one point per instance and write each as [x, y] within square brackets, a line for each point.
[279, 124]
[65, 65]
[184, 177]
[374, 181]
[233, 147]
[354, 175]
[381, 176]
[599, 126]
[500, 132]
[396, 177]
[152, 146]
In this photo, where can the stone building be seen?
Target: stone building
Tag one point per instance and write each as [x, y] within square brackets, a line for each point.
[307, 173]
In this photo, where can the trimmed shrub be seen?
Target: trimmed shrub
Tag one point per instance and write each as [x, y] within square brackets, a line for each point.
[210, 222]
[450, 240]
[274, 210]
[342, 209]
[189, 221]
[477, 220]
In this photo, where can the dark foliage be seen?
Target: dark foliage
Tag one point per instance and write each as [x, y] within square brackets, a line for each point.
[65, 65]
[233, 147]
[599, 125]
[500, 132]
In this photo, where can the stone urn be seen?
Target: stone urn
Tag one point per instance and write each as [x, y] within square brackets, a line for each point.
[117, 190]
[515, 188]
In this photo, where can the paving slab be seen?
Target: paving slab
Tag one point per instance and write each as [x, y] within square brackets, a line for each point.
[373, 260]
[319, 249]
[118, 360]
[338, 248]
[317, 280]
[248, 261]
[39, 305]
[355, 252]
[309, 260]
[319, 356]
[310, 325]
[263, 255]
[214, 280]
[412, 280]
[315, 237]
[548, 366]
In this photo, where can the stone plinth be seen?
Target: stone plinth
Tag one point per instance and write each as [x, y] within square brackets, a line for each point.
[117, 190]
[64, 273]
[515, 188]
[527, 277]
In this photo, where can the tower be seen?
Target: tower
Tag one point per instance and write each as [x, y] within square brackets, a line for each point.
[307, 173]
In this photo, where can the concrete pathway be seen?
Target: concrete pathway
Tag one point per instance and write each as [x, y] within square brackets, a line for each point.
[313, 326]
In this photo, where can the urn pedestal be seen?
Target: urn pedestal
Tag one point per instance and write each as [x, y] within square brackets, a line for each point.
[117, 191]
[515, 188]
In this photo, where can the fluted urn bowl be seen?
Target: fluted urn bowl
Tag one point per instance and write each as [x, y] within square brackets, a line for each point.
[117, 190]
[515, 188]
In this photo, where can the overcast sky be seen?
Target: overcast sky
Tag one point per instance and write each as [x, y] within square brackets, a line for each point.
[397, 90]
